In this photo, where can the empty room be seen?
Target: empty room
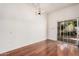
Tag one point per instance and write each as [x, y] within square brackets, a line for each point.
[39, 29]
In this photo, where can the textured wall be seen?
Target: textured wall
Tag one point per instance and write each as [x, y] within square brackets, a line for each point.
[20, 26]
[60, 15]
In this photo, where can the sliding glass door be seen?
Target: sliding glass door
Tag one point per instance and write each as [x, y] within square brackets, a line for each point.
[68, 31]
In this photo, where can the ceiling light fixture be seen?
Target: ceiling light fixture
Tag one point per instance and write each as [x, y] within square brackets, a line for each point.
[39, 10]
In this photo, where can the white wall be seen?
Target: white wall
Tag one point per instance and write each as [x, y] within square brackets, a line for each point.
[19, 26]
[60, 15]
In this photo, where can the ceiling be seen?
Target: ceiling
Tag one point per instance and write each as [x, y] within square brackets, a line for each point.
[45, 7]
[51, 7]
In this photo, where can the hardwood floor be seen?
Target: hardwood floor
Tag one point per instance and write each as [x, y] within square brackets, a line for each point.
[44, 48]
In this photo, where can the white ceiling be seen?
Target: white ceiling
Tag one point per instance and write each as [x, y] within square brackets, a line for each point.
[45, 7]
[51, 7]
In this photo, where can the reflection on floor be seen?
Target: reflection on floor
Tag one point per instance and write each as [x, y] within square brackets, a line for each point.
[45, 48]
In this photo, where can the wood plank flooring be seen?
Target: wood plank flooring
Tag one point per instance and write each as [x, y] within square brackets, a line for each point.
[44, 48]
